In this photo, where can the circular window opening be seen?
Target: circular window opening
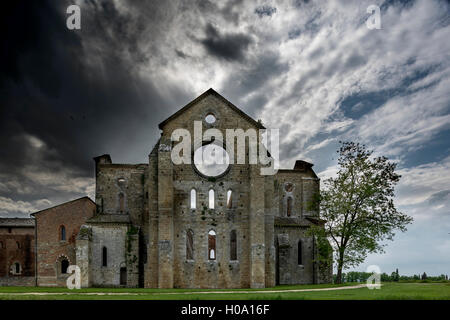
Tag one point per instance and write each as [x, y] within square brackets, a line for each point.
[211, 160]
[210, 118]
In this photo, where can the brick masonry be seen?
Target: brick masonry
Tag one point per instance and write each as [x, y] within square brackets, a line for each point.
[51, 248]
[17, 247]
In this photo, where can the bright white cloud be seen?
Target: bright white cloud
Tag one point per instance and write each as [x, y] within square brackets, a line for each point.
[10, 206]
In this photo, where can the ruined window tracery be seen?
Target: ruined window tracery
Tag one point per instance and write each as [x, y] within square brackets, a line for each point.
[212, 245]
[233, 245]
[193, 199]
[189, 245]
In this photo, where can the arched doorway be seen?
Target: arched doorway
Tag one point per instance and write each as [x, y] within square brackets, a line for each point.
[123, 276]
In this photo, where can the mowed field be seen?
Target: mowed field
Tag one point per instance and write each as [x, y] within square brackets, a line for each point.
[351, 291]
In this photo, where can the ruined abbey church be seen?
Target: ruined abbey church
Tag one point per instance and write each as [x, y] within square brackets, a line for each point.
[163, 225]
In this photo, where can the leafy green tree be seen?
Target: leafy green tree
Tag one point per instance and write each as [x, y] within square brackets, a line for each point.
[358, 206]
[384, 277]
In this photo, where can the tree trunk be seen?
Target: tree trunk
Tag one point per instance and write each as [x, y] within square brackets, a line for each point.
[339, 267]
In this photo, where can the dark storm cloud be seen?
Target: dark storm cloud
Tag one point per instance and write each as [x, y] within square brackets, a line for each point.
[231, 46]
[248, 81]
[78, 92]
[265, 11]
[440, 197]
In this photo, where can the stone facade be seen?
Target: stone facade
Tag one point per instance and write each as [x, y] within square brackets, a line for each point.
[166, 225]
[17, 252]
[155, 238]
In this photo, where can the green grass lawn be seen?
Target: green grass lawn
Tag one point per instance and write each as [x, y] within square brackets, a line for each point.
[389, 291]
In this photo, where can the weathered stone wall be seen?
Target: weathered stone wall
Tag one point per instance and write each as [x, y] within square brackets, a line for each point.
[51, 249]
[122, 252]
[157, 200]
[290, 272]
[304, 186]
[151, 239]
[17, 245]
[248, 210]
[17, 281]
[109, 187]
[301, 185]
[84, 255]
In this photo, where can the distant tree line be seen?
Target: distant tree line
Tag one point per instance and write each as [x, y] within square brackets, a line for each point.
[355, 276]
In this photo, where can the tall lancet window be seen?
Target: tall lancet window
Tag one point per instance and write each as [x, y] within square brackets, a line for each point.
[233, 245]
[121, 202]
[229, 199]
[289, 207]
[189, 245]
[104, 257]
[300, 253]
[212, 245]
[211, 199]
[193, 199]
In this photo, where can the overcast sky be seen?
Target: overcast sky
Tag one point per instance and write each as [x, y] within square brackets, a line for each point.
[312, 69]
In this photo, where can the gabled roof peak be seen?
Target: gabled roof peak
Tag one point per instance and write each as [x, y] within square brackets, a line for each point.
[211, 91]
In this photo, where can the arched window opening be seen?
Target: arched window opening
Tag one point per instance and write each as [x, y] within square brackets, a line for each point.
[211, 199]
[233, 245]
[63, 233]
[190, 245]
[64, 266]
[104, 257]
[300, 253]
[18, 244]
[193, 199]
[121, 202]
[212, 245]
[289, 207]
[17, 268]
[229, 199]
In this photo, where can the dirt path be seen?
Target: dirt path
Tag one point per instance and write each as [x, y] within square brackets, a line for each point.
[174, 293]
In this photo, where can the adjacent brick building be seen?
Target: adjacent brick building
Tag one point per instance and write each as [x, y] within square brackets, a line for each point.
[56, 232]
[17, 254]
